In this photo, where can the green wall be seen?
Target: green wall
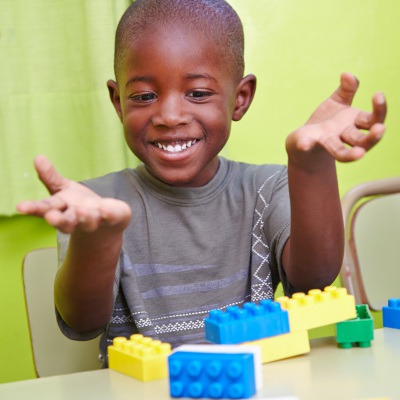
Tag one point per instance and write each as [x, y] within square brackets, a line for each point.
[297, 49]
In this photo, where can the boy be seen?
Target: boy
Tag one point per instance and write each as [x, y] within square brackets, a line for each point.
[154, 249]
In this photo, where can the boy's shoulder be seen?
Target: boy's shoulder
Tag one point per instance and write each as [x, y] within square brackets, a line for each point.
[110, 183]
[259, 172]
[245, 166]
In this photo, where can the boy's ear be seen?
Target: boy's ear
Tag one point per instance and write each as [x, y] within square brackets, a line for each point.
[115, 97]
[244, 96]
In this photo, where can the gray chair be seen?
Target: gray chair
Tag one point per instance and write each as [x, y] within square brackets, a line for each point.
[371, 265]
[53, 353]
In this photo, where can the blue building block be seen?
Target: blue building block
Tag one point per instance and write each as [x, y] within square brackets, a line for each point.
[211, 375]
[247, 323]
[391, 314]
[230, 349]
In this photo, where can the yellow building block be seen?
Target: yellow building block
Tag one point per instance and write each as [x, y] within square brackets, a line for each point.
[318, 308]
[282, 346]
[139, 357]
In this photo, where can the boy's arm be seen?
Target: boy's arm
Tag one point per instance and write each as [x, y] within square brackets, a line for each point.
[84, 283]
[313, 255]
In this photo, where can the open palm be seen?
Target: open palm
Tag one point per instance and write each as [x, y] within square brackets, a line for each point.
[72, 206]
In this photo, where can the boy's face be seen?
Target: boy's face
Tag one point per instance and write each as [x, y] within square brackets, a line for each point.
[176, 99]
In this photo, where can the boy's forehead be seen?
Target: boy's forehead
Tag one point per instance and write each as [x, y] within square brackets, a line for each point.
[175, 47]
[182, 33]
[170, 38]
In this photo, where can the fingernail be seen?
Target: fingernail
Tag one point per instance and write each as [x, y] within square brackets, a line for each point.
[380, 98]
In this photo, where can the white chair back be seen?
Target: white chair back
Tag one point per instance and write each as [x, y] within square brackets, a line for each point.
[53, 353]
[371, 267]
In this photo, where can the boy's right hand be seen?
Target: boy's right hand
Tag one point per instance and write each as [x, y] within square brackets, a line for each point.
[73, 206]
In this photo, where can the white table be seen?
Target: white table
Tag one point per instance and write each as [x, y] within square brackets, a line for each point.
[325, 373]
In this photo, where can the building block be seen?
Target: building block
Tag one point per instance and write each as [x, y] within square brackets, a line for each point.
[282, 346]
[358, 331]
[318, 308]
[229, 349]
[211, 375]
[391, 314]
[247, 323]
[140, 357]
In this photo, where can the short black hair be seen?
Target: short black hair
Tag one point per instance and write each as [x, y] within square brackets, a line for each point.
[214, 18]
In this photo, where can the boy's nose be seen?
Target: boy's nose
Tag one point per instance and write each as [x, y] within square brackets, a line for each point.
[171, 112]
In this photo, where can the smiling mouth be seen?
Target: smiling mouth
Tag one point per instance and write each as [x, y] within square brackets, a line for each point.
[176, 146]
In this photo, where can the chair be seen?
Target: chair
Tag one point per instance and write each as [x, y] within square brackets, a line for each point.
[371, 265]
[53, 353]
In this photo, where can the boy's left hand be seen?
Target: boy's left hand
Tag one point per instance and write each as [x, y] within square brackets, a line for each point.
[337, 129]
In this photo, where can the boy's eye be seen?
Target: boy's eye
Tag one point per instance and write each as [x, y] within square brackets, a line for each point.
[199, 94]
[144, 97]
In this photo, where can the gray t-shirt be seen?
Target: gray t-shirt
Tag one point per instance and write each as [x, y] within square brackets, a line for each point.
[190, 250]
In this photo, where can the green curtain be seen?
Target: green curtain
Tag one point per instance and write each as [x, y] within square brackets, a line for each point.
[55, 59]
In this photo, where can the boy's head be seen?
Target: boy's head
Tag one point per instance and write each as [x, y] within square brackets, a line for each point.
[214, 18]
[179, 69]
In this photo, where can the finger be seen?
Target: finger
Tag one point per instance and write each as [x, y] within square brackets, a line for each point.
[373, 137]
[365, 120]
[340, 152]
[344, 94]
[53, 181]
[115, 212]
[355, 137]
[380, 107]
[40, 207]
[64, 221]
[54, 202]
[352, 136]
[89, 220]
[27, 207]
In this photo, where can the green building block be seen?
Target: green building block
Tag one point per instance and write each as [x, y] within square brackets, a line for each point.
[358, 331]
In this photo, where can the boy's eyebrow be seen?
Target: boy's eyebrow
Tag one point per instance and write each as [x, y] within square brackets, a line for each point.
[140, 78]
[149, 78]
[200, 76]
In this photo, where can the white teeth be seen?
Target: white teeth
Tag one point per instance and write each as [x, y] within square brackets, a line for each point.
[177, 148]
